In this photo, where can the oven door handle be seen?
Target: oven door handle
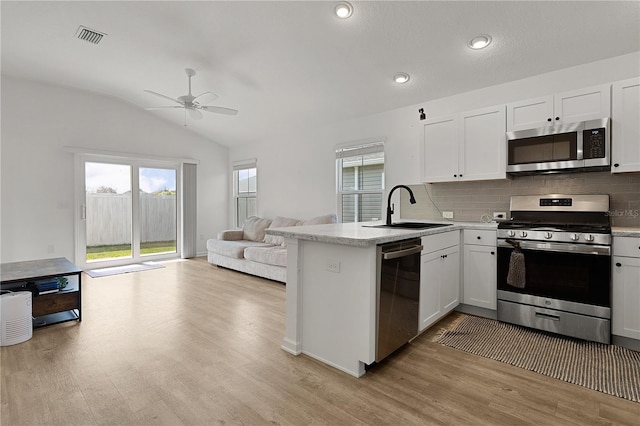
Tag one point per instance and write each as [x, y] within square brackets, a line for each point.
[559, 247]
[401, 253]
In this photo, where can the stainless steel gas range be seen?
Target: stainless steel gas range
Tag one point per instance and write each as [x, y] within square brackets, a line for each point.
[554, 265]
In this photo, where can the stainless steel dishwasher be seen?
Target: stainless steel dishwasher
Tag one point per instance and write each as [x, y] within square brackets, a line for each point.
[398, 295]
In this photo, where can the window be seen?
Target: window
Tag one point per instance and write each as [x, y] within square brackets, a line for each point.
[360, 182]
[245, 190]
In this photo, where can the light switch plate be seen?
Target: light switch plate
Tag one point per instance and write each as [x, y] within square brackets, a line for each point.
[447, 215]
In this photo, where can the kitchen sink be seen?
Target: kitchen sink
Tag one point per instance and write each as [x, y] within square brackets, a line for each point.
[410, 225]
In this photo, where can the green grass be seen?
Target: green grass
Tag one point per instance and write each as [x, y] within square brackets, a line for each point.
[124, 250]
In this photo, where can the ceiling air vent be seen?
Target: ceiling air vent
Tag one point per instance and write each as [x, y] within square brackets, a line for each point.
[87, 34]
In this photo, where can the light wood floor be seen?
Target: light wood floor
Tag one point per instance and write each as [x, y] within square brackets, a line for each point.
[194, 344]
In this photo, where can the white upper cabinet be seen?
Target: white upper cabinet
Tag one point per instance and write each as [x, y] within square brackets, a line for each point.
[529, 114]
[465, 146]
[440, 149]
[567, 107]
[625, 117]
[482, 154]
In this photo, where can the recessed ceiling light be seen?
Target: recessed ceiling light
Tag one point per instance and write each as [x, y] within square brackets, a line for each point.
[401, 77]
[343, 10]
[480, 42]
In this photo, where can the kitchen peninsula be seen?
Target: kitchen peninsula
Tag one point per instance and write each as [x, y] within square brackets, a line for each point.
[331, 288]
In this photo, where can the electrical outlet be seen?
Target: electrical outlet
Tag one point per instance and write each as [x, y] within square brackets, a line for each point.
[500, 215]
[447, 215]
[333, 266]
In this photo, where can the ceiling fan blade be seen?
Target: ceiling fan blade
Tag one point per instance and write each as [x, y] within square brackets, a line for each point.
[219, 110]
[205, 97]
[194, 113]
[164, 107]
[163, 96]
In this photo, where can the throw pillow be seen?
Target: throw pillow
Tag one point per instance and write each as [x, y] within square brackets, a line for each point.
[253, 229]
[321, 220]
[279, 222]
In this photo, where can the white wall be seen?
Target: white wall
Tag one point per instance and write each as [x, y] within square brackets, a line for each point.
[296, 172]
[37, 174]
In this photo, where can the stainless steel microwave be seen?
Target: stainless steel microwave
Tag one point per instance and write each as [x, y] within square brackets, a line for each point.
[580, 146]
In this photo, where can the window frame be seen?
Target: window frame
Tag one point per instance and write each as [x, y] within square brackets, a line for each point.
[353, 150]
[237, 195]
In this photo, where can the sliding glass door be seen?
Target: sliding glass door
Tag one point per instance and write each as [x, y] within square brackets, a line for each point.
[129, 212]
[108, 212]
[158, 211]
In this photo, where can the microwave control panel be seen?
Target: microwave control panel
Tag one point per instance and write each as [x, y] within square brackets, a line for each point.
[594, 143]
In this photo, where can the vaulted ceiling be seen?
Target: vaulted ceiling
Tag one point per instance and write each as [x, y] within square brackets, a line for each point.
[295, 64]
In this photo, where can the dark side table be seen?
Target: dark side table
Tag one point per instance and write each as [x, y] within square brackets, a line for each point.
[56, 305]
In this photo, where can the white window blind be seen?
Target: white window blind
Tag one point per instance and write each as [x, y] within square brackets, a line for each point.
[245, 189]
[360, 186]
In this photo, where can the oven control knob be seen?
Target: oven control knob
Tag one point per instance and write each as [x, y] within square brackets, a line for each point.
[574, 237]
[548, 235]
[523, 234]
[511, 233]
[589, 237]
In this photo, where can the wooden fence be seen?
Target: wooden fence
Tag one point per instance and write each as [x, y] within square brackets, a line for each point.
[109, 218]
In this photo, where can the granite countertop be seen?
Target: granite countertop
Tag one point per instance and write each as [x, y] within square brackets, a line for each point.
[619, 231]
[363, 235]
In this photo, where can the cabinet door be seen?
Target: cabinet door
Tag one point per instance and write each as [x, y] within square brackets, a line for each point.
[625, 315]
[529, 114]
[480, 287]
[430, 274]
[483, 144]
[625, 117]
[584, 104]
[440, 150]
[450, 282]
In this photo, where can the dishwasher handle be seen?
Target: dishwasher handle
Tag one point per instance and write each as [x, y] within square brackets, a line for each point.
[401, 253]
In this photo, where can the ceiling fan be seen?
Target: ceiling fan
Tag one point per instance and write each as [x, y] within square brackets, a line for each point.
[193, 104]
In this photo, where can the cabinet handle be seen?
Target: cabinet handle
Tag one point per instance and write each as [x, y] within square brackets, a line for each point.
[616, 165]
[557, 118]
[455, 175]
[478, 237]
[618, 264]
[460, 174]
[549, 119]
[493, 252]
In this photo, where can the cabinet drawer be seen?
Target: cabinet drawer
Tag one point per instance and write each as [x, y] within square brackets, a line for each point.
[480, 237]
[52, 303]
[626, 246]
[441, 241]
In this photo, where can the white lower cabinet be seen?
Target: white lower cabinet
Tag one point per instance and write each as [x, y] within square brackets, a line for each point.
[625, 311]
[480, 269]
[439, 277]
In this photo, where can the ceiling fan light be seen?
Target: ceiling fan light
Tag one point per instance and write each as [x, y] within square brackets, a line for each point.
[343, 10]
[480, 42]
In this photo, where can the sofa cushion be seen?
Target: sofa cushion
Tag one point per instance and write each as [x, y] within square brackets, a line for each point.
[279, 222]
[269, 255]
[321, 220]
[234, 249]
[253, 229]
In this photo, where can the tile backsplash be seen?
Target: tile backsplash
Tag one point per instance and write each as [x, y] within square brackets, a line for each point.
[469, 201]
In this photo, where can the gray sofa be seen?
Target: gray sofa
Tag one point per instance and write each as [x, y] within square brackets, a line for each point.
[251, 251]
